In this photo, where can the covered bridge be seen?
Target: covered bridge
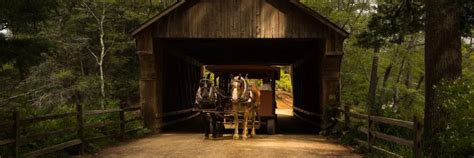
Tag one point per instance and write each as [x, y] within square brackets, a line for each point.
[174, 45]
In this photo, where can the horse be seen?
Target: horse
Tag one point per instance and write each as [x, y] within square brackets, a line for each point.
[245, 97]
[207, 98]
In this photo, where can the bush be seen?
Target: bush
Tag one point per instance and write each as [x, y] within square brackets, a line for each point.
[458, 99]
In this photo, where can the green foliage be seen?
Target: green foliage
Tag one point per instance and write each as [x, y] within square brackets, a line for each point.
[284, 84]
[46, 62]
[457, 98]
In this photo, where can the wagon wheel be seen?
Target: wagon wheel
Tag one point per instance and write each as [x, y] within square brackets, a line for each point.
[271, 126]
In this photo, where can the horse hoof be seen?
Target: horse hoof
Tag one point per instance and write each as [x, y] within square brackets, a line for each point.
[244, 137]
[236, 137]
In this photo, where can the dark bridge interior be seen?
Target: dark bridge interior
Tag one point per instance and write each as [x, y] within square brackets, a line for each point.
[184, 58]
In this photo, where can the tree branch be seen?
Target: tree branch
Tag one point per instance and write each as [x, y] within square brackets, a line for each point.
[93, 54]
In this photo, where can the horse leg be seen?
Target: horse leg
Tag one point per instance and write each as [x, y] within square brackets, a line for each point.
[236, 123]
[246, 118]
[254, 115]
[206, 124]
[214, 127]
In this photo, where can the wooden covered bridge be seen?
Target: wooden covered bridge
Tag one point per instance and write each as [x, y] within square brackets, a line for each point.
[174, 46]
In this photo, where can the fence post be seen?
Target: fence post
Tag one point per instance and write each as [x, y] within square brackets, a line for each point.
[347, 120]
[80, 125]
[417, 139]
[16, 126]
[122, 121]
[369, 133]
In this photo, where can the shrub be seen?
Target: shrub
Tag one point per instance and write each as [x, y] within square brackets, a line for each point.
[458, 99]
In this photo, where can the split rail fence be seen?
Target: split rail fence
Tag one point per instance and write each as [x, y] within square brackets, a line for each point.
[372, 134]
[18, 138]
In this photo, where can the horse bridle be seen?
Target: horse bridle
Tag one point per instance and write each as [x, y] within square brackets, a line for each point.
[246, 90]
[210, 86]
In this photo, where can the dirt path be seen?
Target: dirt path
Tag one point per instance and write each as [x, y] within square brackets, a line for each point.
[294, 138]
[263, 146]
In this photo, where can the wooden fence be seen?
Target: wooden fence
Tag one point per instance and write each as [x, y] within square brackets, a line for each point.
[307, 113]
[18, 139]
[414, 125]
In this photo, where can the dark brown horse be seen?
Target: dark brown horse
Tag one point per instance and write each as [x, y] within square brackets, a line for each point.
[207, 99]
[245, 98]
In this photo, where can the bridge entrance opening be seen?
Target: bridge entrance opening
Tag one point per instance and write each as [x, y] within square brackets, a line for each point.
[184, 60]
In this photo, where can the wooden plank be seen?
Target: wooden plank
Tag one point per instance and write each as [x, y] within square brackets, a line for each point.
[135, 108]
[178, 120]
[363, 143]
[29, 138]
[101, 137]
[122, 122]
[306, 112]
[133, 130]
[80, 123]
[6, 124]
[358, 116]
[391, 138]
[305, 120]
[52, 148]
[47, 117]
[6, 141]
[174, 113]
[390, 121]
[96, 112]
[101, 124]
[363, 130]
[16, 127]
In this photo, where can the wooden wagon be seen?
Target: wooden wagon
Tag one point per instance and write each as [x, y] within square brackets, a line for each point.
[267, 74]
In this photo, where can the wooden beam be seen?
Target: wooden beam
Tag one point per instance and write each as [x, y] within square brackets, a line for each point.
[179, 120]
[97, 112]
[29, 138]
[391, 121]
[186, 58]
[52, 148]
[363, 143]
[393, 139]
[306, 112]
[174, 113]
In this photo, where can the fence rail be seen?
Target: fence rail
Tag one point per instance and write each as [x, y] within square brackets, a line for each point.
[306, 113]
[19, 140]
[174, 113]
[414, 125]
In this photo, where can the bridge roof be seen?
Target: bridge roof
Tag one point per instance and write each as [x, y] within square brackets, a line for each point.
[315, 15]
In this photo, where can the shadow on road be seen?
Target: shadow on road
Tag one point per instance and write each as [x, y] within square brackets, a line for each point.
[286, 124]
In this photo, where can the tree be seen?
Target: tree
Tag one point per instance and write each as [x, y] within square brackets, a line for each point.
[443, 62]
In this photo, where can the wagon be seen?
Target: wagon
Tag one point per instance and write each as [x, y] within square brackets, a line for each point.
[267, 74]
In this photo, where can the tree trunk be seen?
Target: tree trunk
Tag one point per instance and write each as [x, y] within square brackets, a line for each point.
[386, 76]
[443, 60]
[102, 56]
[418, 86]
[396, 93]
[373, 109]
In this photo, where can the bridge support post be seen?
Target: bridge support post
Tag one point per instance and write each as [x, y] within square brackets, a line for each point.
[150, 79]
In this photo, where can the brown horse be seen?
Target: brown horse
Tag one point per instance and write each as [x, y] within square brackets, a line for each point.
[245, 98]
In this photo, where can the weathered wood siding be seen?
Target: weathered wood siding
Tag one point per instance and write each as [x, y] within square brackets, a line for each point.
[240, 19]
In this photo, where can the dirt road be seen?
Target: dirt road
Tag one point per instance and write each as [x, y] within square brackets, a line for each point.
[294, 138]
[263, 146]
